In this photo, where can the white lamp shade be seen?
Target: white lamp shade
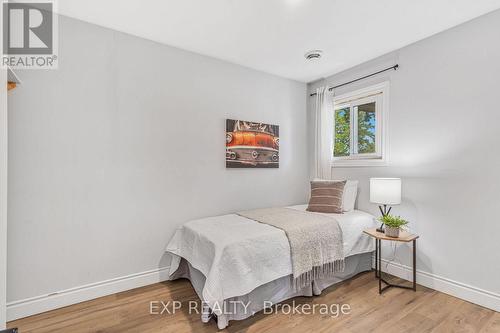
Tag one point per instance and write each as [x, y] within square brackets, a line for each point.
[385, 191]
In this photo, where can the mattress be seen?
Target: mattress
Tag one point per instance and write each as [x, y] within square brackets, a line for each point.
[236, 255]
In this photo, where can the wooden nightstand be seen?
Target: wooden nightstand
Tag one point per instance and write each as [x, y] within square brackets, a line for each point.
[404, 237]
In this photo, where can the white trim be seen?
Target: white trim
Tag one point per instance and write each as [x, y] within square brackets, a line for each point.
[461, 290]
[370, 90]
[362, 162]
[34, 305]
[3, 194]
[3, 183]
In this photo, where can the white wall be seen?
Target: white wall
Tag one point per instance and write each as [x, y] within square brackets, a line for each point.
[444, 127]
[125, 142]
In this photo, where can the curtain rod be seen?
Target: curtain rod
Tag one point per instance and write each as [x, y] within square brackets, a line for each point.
[395, 67]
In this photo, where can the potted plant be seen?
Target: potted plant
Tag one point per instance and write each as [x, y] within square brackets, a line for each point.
[393, 224]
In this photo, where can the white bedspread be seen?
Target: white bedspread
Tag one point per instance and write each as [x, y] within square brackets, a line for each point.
[237, 254]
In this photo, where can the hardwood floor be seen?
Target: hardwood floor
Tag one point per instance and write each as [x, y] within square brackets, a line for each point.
[397, 310]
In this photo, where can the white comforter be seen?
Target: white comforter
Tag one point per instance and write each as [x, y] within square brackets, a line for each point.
[237, 255]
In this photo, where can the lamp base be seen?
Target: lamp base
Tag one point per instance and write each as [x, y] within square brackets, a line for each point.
[384, 211]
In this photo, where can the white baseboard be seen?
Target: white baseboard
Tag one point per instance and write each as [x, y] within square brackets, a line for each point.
[30, 306]
[466, 292]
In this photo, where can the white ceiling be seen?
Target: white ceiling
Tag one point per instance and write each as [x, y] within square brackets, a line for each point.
[273, 35]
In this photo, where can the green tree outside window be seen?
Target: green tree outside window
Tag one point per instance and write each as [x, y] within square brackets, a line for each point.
[342, 132]
[366, 128]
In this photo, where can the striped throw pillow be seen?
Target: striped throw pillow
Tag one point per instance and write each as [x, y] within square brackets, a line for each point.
[326, 196]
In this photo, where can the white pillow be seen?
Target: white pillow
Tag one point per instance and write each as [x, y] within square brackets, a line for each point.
[349, 195]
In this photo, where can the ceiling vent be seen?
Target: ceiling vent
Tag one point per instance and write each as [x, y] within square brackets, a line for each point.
[313, 55]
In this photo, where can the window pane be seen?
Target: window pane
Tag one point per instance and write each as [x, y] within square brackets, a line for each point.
[342, 132]
[366, 128]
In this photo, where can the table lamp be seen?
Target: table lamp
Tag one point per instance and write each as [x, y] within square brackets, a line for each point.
[385, 192]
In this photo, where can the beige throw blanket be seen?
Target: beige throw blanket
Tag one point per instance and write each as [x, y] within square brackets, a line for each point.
[315, 241]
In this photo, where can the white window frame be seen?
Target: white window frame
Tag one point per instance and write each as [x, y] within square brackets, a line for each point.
[379, 94]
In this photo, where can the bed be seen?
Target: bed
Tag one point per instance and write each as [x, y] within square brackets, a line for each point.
[234, 260]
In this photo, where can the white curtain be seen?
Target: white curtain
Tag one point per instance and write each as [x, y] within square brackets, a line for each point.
[323, 134]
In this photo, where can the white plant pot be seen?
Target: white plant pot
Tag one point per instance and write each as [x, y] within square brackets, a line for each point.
[391, 232]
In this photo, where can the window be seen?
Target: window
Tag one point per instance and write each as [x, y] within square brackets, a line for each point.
[359, 127]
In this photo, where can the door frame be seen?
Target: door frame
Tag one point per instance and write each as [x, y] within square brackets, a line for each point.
[3, 186]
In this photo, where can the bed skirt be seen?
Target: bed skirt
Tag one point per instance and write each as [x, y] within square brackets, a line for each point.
[274, 292]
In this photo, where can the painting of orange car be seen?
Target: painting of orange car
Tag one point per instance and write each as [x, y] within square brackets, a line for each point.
[251, 145]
